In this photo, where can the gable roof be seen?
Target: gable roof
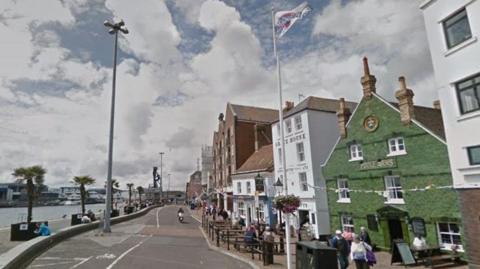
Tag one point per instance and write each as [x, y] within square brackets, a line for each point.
[251, 113]
[318, 104]
[430, 118]
[261, 160]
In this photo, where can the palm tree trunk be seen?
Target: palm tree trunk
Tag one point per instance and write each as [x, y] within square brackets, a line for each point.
[140, 197]
[30, 199]
[129, 196]
[82, 197]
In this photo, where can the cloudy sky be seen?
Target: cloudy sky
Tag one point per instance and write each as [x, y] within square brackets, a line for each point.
[180, 64]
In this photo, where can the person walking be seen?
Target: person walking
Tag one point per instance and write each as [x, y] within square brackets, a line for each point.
[343, 249]
[364, 236]
[358, 253]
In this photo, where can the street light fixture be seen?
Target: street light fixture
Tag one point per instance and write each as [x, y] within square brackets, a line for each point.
[113, 29]
[278, 186]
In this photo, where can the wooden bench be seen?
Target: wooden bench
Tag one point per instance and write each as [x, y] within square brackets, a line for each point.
[441, 259]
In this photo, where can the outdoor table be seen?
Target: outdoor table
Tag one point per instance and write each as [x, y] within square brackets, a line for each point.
[425, 253]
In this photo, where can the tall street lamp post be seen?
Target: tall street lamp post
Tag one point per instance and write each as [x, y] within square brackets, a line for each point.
[161, 174]
[113, 30]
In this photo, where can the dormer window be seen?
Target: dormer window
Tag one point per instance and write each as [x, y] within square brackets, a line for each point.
[356, 153]
[396, 146]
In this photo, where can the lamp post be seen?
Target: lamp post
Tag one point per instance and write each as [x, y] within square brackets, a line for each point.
[278, 190]
[161, 174]
[113, 30]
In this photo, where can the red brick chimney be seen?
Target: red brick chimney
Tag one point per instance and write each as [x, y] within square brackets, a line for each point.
[368, 81]
[288, 105]
[343, 115]
[405, 102]
[436, 104]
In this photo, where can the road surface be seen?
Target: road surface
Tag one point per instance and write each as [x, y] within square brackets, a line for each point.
[156, 240]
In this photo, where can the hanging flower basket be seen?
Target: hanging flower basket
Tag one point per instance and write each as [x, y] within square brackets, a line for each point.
[287, 204]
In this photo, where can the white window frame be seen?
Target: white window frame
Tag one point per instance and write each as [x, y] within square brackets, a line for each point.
[451, 233]
[343, 191]
[300, 153]
[356, 152]
[278, 130]
[392, 192]
[298, 122]
[249, 187]
[239, 187]
[241, 209]
[288, 126]
[261, 211]
[303, 181]
[394, 146]
[347, 223]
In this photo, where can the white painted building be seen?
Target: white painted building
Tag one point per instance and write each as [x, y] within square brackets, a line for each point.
[453, 30]
[310, 133]
[252, 197]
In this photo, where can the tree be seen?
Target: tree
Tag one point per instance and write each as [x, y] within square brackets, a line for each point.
[140, 192]
[129, 186]
[83, 181]
[33, 175]
[115, 184]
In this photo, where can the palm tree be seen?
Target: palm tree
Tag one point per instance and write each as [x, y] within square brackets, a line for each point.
[115, 184]
[83, 181]
[32, 175]
[140, 192]
[129, 186]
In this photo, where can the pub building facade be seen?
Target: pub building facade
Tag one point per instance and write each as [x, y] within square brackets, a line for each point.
[390, 173]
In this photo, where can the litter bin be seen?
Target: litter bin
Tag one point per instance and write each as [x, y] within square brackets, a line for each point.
[76, 219]
[315, 255]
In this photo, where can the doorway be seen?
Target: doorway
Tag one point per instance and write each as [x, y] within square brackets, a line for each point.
[395, 229]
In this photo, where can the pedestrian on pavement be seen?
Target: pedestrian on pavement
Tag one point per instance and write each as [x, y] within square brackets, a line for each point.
[364, 236]
[343, 249]
[348, 235]
[250, 235]
[43, 229]
[225, 215]
[358, 253]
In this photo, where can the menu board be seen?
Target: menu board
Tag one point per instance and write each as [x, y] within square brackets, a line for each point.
[372, 223]
[418, 226]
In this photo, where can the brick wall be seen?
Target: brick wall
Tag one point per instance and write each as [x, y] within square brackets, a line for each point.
[469, 202]
[425, 163]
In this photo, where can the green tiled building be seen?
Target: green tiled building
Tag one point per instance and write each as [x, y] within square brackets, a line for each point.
[390, 173]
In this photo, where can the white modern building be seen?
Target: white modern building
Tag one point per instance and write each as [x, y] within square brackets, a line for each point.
[453, 30]
[207, 166]
[310, 133]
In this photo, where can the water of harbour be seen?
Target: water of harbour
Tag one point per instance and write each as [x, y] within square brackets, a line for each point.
[17, 214]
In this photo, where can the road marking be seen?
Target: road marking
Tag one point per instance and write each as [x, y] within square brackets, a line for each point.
[106, 256]
[125, 253]
[50, 264]
[158, 223]
[82, 262]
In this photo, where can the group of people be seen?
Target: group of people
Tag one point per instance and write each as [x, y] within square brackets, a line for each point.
[88, 217]
[354, 247]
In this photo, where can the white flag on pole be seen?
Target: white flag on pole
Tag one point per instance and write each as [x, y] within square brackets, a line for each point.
[284, 20]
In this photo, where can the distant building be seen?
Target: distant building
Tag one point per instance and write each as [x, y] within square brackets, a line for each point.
[194, 186]
[239, 132]
[207, 166]
[453, 30]
[6, 196]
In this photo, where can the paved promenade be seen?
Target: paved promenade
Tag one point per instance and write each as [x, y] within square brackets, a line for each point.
[156, 240]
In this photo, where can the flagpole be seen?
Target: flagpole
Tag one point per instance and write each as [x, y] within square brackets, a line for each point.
[282, 139]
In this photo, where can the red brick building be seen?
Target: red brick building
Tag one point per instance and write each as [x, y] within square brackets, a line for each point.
[241, 130]
[194, 186]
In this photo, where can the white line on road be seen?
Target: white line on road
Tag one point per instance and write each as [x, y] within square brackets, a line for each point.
[82, 262]
[125, 253]
[158, 223]
[51, 264]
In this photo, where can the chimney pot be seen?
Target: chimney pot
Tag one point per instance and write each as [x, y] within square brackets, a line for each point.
[405, 102]
[436, 104]
[343, 115]
[288, 105]
[368, 81]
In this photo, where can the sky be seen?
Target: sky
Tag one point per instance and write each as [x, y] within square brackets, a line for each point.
[182, 61]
